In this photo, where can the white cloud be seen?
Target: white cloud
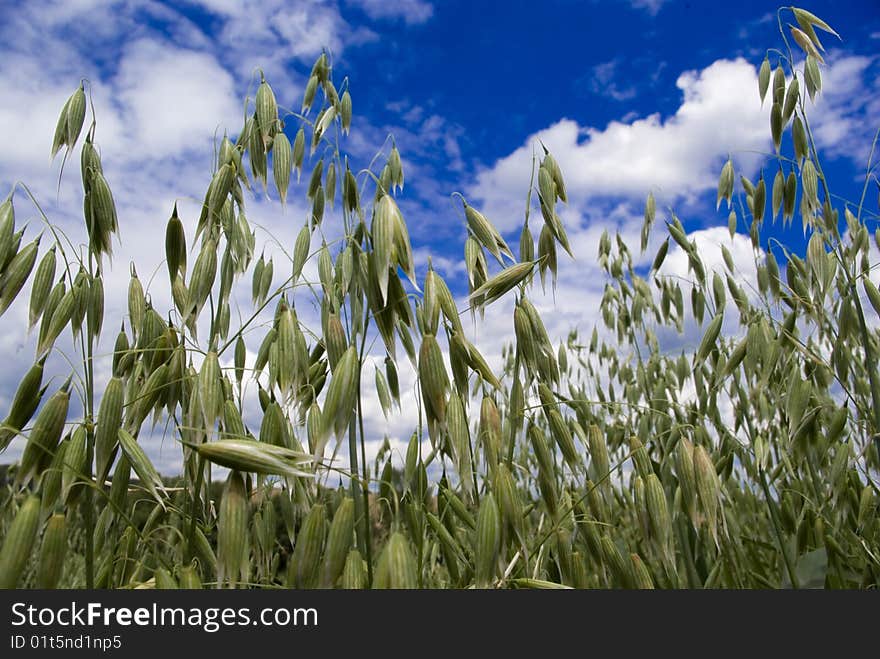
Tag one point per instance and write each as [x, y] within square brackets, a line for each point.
[173, 99]
[676, 157]
[604, 82]
[266, 33]
[679, 157]
[653, 7]
[411, 11]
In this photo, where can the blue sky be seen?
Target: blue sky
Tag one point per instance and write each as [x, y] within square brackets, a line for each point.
[631, 97]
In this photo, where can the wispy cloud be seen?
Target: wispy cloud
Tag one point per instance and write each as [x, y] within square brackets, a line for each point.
[275, 31]
[745, 31]
[653, 7]
[411, 11]
[604, 80]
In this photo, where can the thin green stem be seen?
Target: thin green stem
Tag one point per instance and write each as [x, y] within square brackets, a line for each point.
[190, 544]
[777, 529]
[366, 474]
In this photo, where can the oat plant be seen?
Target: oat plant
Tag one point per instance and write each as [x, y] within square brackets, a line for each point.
[747, 459]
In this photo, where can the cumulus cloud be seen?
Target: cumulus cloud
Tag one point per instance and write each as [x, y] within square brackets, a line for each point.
[173, 99]
[411, 11]
[677, 157]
